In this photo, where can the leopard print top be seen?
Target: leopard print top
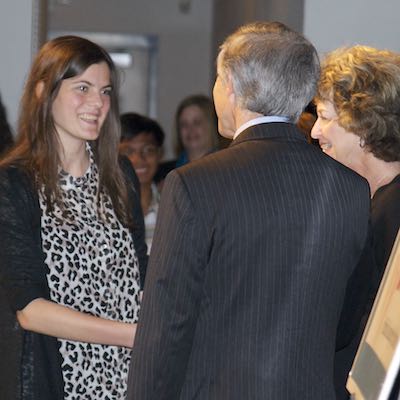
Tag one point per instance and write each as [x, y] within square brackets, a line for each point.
[94, 269]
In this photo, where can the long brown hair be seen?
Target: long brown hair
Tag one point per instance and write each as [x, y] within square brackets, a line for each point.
[36, 149]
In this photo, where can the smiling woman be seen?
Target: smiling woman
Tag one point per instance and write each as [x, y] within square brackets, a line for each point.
[358, 105]
[79, 111]
[141, 141]
[71, 264]
[333, 138]
[196, 128]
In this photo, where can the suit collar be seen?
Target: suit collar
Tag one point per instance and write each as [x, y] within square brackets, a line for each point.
[263, 119]
[273, 130]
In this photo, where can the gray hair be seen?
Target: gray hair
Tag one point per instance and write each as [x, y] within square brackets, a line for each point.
[274, 70]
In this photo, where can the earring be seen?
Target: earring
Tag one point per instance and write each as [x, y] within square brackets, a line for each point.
[362, 142]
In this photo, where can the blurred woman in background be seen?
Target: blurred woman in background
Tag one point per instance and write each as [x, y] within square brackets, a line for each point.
[196, 129]
[142, 139]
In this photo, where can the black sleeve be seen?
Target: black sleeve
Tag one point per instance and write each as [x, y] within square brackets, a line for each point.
[385, 216]
[22, 267]
[138, 232]
[358, 299]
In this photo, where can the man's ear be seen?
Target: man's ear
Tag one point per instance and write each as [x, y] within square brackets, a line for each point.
[39, 89]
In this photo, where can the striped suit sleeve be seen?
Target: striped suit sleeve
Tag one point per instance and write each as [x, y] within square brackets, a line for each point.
[172, 296]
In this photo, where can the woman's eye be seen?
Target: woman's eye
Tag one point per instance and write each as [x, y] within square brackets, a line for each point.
[107, 91]
[83, 88]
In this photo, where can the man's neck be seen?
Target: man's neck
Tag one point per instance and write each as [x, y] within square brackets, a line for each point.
[242, 116]
[251, 119]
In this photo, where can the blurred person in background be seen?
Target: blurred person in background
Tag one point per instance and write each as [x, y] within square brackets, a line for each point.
[6, 137]
[196, 129]
[306, 122]
[142, 139]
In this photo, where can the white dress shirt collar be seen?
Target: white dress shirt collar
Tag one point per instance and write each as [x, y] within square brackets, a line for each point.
[259, 120]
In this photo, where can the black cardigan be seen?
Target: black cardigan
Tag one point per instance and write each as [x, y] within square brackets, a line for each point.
[30, 363]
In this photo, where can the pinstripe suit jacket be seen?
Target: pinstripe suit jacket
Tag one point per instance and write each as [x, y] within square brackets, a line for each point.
[252, 252]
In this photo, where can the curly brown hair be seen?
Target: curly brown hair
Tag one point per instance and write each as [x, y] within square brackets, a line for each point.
[363, 83]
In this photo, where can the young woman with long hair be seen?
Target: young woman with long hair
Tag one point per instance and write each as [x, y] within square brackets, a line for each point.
[71, 233]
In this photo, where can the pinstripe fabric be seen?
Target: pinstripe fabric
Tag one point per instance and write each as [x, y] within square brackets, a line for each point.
[252, 252]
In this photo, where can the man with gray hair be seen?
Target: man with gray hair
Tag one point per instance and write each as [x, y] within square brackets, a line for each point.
[254, 245]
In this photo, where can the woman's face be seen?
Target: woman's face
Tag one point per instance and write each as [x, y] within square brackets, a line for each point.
[82, 105]
[194, 130]
[334, 140]
[144, 154]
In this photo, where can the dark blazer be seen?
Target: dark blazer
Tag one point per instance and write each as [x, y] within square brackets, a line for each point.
[252, 252]
[30, 363]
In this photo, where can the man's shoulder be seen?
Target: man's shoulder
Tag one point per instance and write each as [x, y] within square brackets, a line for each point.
[209, 164]
[256, 157]
[348, 174]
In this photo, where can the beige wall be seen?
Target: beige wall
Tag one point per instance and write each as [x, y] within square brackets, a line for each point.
[330, 24]
[15, 48]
